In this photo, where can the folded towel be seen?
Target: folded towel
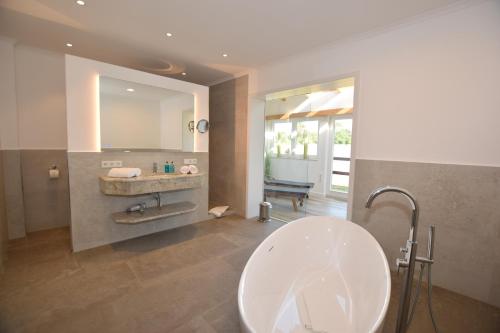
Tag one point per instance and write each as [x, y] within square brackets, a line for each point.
[124, 172]
[218, 211]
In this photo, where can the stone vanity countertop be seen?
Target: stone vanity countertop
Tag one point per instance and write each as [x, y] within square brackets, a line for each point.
[147, 184]
[157, 176]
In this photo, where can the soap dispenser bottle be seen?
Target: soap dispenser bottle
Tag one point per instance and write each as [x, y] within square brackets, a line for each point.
[167, 167]
[172, 167]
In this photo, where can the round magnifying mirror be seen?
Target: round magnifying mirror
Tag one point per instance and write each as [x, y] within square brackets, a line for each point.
[202, 126]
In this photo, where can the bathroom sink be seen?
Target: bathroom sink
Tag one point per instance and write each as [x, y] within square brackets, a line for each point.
[147, 184]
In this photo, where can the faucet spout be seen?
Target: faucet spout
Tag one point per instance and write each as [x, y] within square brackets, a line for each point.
[407, 195]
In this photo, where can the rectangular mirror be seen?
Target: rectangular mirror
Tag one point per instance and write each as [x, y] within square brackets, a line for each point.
[136, 116]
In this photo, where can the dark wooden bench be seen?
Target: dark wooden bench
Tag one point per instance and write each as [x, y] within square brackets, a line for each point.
[296, 191]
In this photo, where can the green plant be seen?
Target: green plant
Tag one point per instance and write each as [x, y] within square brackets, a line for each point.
[305, 137]
[343, 137]
[267, 165]
[282, 139]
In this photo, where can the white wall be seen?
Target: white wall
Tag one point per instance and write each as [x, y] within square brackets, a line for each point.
[8, 104]
[41, 102]
[255, 157]
[424, 84]
[82, 100]
[128, 122]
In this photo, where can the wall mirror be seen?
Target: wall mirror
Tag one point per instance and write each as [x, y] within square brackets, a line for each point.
[203, 126]
[136, 116]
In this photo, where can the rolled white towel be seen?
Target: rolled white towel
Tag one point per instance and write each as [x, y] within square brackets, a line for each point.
[193, 169]
[124, 172]
[184, 169]
[189, 169]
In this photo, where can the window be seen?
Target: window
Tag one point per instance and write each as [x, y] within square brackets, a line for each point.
[306, 140]
[341, 163]
[282, 138]
[296, 138]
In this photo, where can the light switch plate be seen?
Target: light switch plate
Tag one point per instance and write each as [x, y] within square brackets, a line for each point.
[111, 164]
[190, 161]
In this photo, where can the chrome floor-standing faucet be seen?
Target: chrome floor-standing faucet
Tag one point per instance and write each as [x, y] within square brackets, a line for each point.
[409, 255]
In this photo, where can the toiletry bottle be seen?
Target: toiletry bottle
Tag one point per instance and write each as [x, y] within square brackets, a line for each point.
[172, 167]
[167, 167]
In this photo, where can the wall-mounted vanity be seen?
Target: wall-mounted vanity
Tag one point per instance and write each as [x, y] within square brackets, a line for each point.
[139, 119]
[151, 184]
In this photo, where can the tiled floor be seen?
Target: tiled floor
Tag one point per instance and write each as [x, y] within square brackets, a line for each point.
[182, 280]
[320, 206]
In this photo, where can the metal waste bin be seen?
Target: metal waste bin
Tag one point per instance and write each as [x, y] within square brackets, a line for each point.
[264, 209]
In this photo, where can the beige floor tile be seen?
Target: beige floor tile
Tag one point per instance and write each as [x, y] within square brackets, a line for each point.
[196, 325]
[176, 256]
[181, 280]
[224, 317]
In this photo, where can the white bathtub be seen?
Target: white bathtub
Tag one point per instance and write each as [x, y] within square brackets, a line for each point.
[316, 274]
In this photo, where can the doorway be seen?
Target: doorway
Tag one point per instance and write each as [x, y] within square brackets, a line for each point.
[308, 136]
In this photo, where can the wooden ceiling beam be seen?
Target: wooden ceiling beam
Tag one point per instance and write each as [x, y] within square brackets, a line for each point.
[310, 114]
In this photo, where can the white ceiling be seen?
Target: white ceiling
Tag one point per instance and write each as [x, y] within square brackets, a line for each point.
[131, 33]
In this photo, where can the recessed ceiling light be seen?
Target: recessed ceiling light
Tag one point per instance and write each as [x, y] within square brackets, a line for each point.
[69, 44]
[184, 73]
[80, 2]
[224, 55]
[169, 34]
[130, 89]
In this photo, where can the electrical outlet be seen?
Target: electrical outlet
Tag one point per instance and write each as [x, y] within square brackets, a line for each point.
[190, 161]
[111, 164]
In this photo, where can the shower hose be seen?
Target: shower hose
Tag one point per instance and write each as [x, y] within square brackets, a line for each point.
[429, 295]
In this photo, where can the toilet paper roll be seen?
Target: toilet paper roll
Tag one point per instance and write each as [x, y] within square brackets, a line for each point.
[53, 173]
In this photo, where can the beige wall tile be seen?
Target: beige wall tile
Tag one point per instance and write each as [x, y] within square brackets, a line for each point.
[91, 223]
[462, 201]
[46, 201]
[14, 193]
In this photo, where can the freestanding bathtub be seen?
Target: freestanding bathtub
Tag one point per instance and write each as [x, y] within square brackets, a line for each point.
[316, 274]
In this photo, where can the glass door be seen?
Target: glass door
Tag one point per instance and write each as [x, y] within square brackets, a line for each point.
[291, 145]
[307, 150]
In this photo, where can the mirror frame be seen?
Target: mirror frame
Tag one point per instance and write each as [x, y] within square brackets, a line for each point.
[203, 126]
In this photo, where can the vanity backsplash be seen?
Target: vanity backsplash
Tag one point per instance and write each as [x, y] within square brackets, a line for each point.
[92, 224]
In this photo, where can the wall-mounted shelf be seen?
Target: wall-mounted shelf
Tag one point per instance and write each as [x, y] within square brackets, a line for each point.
[149, 184]
[155, 213]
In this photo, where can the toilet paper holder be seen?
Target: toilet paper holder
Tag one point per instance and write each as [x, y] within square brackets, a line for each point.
[54, 172]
